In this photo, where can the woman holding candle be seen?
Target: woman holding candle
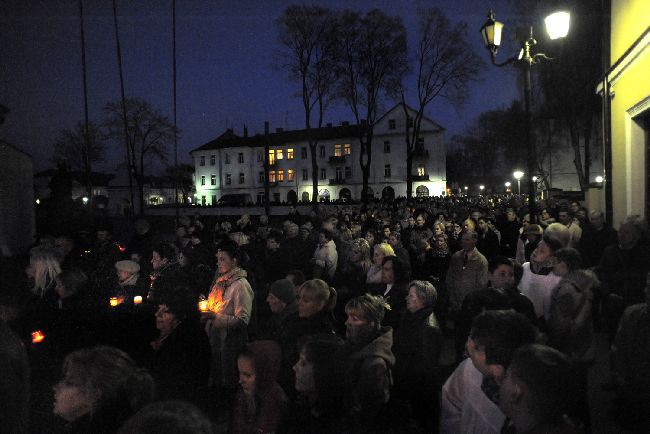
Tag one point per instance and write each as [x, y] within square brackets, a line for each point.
[229, 303]
[129, 283]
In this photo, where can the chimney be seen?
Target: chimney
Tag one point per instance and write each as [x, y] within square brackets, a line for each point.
[345, 123]
[279, 130]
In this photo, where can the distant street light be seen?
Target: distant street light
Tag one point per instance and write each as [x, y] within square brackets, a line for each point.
[518, 174]
[85, 200]
[557, 26]
[599, 179]
[508, 184]
[481, 187]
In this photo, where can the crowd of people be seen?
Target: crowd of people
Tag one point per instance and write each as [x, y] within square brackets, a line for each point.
[332, 322]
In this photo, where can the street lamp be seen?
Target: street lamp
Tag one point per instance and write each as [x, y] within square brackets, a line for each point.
[508, 184]
[557, 26]
[518, 174]
[481, 187]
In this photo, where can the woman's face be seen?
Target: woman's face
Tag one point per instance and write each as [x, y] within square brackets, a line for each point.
[224, 262]
[123, 275]
[308, 305]
[60, 289]
[304, 370]
[388, 273]
[166, 321]
[355, 255]
[71, 401]
[247, 376]
[370, 238]
[413, 300]
[378, 257]
[30, 270]
[275, 303]
[157, 261]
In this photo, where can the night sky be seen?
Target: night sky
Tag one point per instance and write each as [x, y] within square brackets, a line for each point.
[226, 51]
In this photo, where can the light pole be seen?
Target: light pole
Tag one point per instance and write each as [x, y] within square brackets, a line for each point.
[518, 174]
[508, 184]
[557, 26]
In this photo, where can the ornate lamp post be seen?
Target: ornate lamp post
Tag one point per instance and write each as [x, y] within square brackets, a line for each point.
[557, 26]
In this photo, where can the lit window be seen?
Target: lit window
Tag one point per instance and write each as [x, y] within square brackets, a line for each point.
[202, 161]
[202, 179]
[391, 124]
[305, 175]
[421, 170]
[278, 154]
[387, 171]
[387, 147]
[280, 175]
[272, 176]
[290, 154]
[337, 150]
[228, 179]
[241, 178]
[290, 175]
[321, 151]
[347, 149]
[303, 153]
[213, 160]
[213, 180]
[241, 157]
[323, 174]
[271, 157]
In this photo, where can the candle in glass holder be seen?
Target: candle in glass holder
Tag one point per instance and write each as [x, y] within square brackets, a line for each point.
[137, 299]
[37, 337]
[114, 301]
[203, 305]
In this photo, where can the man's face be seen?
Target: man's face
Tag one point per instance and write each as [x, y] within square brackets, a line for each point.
[419, 221]
[103, 236]
[476, 215]
[503, 277]
[597, 221]
[468, 242]
[482, 224]
[386, 233]
[510, 215]
[542, 253]
[272, 244]
[563, 217]
[357, 329]
[411, 221]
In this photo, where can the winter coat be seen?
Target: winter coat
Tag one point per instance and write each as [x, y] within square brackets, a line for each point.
[467, 272]
[538, 288]
[569, 324]
[326, 258]
[231, 298]
[369, 377]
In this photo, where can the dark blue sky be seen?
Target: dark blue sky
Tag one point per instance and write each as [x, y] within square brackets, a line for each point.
[225, 53]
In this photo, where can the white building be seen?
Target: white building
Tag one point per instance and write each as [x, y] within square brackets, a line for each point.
[234, 165]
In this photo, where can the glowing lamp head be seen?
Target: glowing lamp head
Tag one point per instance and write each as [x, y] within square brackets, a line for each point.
[137, 299]
[599, 179]
[37, 337]
[508, 184]
[85, 200]
[113, 301]
[557, 24]
[203, 305]
[518, 174]
[491, 32]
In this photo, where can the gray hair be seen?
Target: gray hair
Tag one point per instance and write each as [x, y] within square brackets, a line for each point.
[426, 292]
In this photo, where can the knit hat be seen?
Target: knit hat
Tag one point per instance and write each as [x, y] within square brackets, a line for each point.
[129, 266]
[284, 290]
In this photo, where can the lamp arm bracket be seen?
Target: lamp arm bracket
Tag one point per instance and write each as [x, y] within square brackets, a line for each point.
[540, 56]
[505, 62]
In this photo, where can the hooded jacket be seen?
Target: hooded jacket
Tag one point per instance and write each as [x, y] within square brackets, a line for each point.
[369, 377]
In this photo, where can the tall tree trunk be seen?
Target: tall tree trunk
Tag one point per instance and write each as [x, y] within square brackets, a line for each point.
[577, 155]
[176, 174]
[314, 172]
[130, 162]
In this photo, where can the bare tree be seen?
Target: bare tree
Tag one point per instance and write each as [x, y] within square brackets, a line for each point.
[79, 149]
[446, 64]
[148, 134]
[372, 62]
[307, 35]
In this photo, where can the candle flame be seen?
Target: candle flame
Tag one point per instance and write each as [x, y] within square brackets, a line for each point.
[115, 301]
[215, 301]
[203, 305]
[37, 337]
[137, 299]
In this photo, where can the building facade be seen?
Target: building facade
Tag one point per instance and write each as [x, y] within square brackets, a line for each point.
[627, 91]
[232, 166]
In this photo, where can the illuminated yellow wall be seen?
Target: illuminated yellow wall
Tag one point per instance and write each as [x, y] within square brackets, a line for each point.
[631, 87]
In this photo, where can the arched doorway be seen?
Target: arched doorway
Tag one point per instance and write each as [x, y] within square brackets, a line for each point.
[422, 191]
[292, 197]
[388, 193]
[305, 196]
[324, 195]
[345, 194]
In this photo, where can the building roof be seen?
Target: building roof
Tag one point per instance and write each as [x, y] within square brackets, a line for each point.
[98, 179]
[425, 118]
[230, 140]
[15, 148]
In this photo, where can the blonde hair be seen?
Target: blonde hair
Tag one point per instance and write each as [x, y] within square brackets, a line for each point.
[321, 291]
[46, 267]
[371, 308]
[385, 248]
